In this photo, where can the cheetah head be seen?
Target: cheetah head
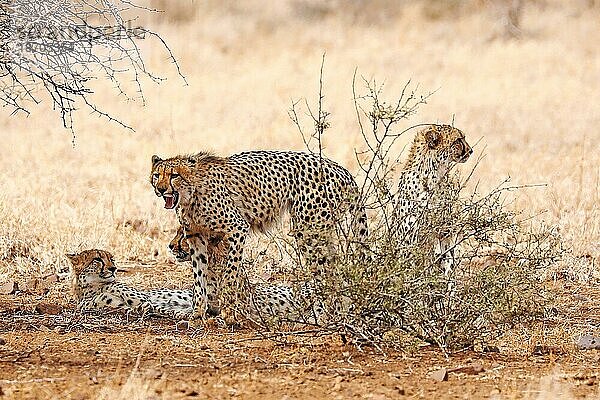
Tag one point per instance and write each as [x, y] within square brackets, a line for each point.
[446, 144]
[170, 179]
[179, 246]
[92, 268]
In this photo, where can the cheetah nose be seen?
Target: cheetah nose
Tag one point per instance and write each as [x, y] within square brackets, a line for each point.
[161, 190]
[112, 268]
[171, 246]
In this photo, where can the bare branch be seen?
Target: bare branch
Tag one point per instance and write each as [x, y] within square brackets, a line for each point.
[53, 49]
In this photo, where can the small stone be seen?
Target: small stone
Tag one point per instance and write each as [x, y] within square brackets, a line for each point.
[154, 374]
[50, 279]
[9, 287]
[589, 342]
[440, 375]
[470, 369]
[47, 308]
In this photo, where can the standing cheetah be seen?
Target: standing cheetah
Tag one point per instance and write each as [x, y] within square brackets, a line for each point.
[225, 198]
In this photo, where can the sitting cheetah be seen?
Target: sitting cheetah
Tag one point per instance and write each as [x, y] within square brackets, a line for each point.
[434, 151]
[228, 197]
[95, 287]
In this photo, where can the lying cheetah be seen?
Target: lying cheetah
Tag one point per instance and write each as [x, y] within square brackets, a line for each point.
[95, 287]
[434, 151]
[225, 198]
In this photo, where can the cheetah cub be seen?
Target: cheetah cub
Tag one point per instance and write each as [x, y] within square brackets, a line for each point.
[95, 287]
[267, 303]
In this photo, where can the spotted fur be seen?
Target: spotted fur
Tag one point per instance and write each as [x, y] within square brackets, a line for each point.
[434, 151]
[266, 302]
[95, 287]
[228, 197]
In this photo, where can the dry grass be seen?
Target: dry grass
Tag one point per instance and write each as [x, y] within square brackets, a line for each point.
[531, 102]
[531, 105]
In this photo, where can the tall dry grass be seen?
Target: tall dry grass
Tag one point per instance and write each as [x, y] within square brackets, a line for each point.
[530, 105]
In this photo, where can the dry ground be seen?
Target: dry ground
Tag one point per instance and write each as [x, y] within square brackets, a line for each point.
[76, 356]
[530, 104]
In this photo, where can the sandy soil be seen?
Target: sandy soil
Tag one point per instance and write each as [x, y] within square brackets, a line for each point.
[69, 355]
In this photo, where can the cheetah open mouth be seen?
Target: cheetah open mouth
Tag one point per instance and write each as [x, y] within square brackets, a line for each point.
[171, 200]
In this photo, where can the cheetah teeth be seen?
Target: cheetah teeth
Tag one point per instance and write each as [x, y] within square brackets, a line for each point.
[171, 200]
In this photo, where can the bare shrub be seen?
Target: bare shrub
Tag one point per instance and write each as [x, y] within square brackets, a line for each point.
[56, 49]
[497, 254]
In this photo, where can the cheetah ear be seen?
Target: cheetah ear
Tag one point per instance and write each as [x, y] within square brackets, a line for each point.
[155, 160]
[191, 161]
[432, 137]
[73, 258]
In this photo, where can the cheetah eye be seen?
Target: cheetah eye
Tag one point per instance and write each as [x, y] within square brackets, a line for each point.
[155, 176]
[174, 175]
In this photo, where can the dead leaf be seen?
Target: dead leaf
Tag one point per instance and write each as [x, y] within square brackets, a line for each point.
[32, 285]
[542, 350]
[440, 375]
[491, 349]
[9, 287]
[591, 381]
[182, 326]
[47, 308]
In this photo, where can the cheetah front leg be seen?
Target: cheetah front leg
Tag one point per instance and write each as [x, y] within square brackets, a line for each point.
[199, 254]
[233, 279]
